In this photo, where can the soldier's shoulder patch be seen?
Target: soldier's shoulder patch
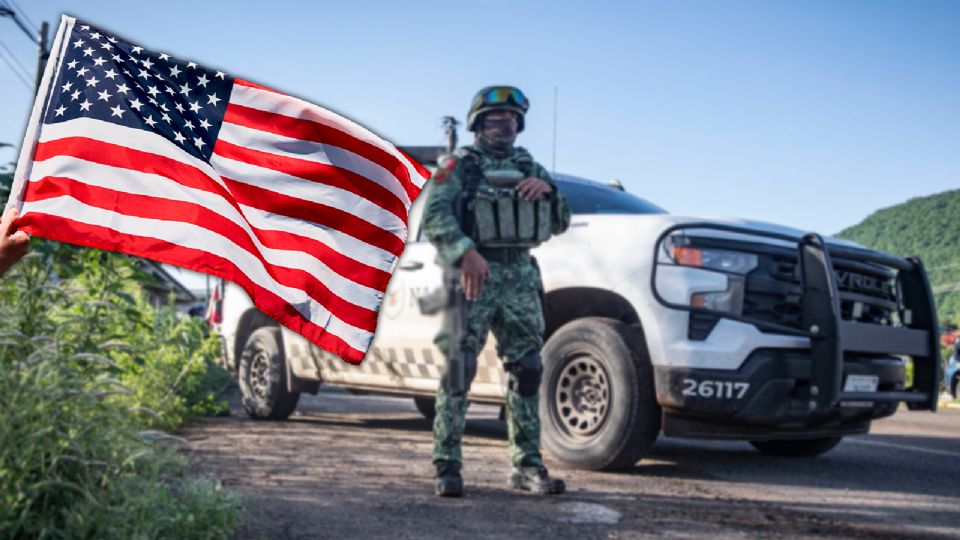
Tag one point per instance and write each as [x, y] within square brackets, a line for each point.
[445, 166]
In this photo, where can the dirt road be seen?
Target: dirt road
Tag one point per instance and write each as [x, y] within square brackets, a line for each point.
[350, 466]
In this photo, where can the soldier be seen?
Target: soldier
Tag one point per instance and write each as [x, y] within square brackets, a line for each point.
[495, 284]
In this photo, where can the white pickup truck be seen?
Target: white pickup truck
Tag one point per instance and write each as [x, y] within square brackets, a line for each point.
[719, 328]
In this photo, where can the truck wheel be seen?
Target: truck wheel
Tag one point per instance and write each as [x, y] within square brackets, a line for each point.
[955, 390]
[597, 398]
[427, 406]
[797, 448]
[263, 377]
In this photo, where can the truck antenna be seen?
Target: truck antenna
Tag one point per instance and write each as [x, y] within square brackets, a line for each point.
[553, 163]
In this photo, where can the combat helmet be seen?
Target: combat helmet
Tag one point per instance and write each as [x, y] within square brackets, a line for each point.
[497, 98]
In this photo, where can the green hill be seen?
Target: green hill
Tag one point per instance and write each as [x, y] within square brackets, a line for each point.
[925, 226]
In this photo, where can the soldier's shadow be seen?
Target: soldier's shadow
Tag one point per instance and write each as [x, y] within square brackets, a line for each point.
[485, 428]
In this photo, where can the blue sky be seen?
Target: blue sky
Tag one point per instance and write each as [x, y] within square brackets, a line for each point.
[810, 114]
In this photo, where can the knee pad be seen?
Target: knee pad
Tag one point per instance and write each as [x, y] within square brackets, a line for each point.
[525, 374]
[450, 376]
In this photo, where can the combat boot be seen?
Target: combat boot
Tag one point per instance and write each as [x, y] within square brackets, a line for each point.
[448, 482]
[535, 479]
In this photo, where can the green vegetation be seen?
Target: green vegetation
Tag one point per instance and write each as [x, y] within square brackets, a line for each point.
[928, 227]
[89, 376]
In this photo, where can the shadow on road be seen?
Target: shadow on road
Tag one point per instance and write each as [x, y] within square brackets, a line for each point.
[851, 466]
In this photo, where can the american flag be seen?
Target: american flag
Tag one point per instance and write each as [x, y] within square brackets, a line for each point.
[138, 151]
[214, 313]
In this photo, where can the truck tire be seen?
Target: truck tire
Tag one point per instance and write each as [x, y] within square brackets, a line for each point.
[797, 448]
[262, 377]
[597, 400]
[955, 388]
[427, 406]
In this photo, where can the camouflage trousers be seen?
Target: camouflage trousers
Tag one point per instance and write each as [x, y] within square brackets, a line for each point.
[510, 307]
[523, 428]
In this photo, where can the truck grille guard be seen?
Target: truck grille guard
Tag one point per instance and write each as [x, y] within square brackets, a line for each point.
[831, 336]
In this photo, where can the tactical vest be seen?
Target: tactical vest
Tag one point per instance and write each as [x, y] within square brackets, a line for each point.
[491, 211]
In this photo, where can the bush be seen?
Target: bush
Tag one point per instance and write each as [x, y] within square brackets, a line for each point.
[93, 303]
[87, 370]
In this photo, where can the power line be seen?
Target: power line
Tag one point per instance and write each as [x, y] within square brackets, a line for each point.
[6, 11]
[17, 73]
[23, 69]
[23, 14]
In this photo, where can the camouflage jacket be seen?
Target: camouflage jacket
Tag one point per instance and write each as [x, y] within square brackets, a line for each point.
[440, 223]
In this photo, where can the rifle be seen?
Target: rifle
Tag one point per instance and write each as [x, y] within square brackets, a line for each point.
[451, 296]
[452, 299]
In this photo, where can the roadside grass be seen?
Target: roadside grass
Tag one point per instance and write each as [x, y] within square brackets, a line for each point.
[90, 377]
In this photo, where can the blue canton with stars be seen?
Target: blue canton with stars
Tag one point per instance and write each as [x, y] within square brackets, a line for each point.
[108, 79]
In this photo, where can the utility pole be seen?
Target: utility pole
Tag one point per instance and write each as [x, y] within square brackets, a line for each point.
[42, 55]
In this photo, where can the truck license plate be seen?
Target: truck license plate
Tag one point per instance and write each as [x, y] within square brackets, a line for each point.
[860, 383]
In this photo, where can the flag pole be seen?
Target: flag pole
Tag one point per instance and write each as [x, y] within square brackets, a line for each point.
[32, 133]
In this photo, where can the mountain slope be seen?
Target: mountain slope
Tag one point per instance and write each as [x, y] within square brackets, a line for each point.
[925, 226]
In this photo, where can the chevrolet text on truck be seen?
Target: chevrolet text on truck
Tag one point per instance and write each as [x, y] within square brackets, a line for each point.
[706, 328]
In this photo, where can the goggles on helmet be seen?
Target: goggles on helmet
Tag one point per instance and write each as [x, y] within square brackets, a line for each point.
[502, 95]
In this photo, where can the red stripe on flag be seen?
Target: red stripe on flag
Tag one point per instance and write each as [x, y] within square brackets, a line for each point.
[178, 211]
[322, 214]
[317, 172]
[67, 230]
[307, 130]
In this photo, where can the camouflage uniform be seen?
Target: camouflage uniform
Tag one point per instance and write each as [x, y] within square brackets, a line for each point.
[509, 306]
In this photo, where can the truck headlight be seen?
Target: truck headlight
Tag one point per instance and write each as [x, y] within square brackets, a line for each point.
[733, 265]
[730, 300]
[733, 262]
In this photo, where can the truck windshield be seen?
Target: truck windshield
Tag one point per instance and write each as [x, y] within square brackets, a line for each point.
[586, 197]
